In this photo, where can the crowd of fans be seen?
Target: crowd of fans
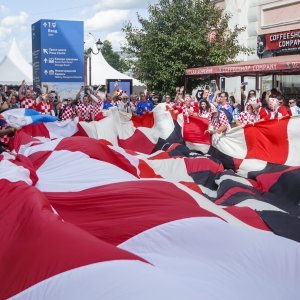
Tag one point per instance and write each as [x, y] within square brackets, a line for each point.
[221, 110]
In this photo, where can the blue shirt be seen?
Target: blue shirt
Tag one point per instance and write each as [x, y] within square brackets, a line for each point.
[107, 105]
[144, 106]
[229, 108]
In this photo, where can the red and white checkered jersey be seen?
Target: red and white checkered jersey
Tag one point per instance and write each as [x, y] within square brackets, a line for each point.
[68, 112]
[247, 118]
[44, 108]
[178, 106]
[28, 103]
[219, 121]
[84, 111]
[170, 106]
[97, 108]
[205, 114]
[226, 105]
[188, 110]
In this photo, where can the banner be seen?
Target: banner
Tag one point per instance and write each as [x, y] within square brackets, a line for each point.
[280, 43]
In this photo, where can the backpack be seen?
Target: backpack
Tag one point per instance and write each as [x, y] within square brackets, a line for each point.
[227, 113]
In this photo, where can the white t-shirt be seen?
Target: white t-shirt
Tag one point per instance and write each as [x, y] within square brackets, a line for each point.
[295, 110]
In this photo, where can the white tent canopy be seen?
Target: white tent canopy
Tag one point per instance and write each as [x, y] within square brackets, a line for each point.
[14, 68]
[102, 70]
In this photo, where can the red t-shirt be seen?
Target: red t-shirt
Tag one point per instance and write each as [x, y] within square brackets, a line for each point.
[262, 113]
[284, 111]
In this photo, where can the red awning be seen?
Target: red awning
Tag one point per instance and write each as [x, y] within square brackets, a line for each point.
[289, 64]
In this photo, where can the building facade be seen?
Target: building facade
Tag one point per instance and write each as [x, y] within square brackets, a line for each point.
[269, 24]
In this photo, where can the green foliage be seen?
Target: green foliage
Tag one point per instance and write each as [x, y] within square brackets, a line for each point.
[175, 37]
[113, 58]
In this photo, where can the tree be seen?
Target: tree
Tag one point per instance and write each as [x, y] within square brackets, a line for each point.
[113, 58]
[178, 35]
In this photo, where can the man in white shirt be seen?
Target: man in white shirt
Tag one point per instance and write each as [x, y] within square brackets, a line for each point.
[124, 104]
[294, 108]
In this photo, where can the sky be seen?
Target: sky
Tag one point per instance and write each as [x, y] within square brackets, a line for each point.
[103, 18]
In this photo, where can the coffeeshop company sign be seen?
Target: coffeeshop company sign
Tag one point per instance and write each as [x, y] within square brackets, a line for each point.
[279, 43]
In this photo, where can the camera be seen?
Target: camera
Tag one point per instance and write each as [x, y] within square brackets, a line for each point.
[85, 89]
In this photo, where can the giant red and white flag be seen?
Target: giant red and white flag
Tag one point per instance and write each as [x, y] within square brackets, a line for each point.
[123, 209]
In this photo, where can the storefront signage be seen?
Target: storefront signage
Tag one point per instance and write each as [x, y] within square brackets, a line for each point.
[279, 43]
[289, 66]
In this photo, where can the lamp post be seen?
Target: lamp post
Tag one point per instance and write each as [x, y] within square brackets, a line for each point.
[89, 53]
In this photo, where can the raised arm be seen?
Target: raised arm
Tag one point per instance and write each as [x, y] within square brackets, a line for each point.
[214, 99]
[21, 88]
[47, 88]
[94, 98]
[78, 94]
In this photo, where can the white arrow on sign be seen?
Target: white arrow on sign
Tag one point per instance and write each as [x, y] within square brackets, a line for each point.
[46, 72]
[45, 24]
[45, 51]
[45, 60]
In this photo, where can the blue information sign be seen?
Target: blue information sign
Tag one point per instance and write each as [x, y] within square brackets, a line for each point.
[57, 51]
